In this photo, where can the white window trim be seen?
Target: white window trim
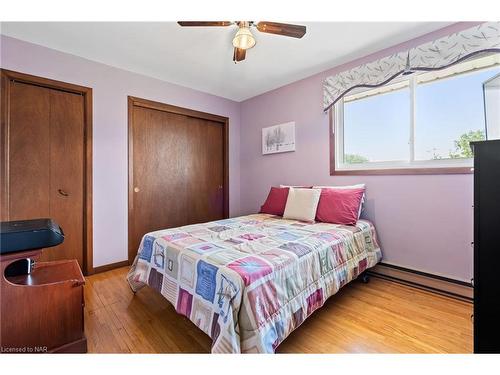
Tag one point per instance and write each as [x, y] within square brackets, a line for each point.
[411, 163]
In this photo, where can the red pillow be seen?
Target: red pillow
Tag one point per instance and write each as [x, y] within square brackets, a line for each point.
[275, 202]
[339, 206]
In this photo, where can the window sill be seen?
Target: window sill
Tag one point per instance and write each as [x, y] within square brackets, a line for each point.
[401, 171]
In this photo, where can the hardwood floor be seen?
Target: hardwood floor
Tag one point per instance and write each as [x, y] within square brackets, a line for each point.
[379, 317]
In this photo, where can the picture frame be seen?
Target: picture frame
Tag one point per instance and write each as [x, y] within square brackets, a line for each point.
[278, 138]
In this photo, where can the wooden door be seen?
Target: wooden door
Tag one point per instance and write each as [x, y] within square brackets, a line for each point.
[44, 162]
[28, 152]
[66, 173]
[177, 168]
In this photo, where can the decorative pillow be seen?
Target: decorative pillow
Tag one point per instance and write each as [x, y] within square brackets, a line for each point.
[357, 186]
[301, 204]
[275, 202]
[339, 206]
[296, 186]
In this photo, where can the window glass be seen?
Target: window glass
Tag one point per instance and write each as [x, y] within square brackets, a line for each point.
[450, 114]
[377, 128]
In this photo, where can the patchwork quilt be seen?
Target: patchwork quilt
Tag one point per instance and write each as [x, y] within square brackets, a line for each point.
[249, 281]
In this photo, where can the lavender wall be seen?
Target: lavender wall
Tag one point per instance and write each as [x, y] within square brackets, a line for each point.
[424, 222]
[110, 89]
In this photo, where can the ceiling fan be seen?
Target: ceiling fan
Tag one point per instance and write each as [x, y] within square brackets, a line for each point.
[244, 39]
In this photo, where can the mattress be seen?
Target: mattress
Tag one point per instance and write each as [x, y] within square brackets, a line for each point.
[249, 281]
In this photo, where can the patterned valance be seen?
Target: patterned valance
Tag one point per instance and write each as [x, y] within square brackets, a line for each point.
[435, 55]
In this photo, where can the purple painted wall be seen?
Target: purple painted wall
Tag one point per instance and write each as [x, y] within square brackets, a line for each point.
[424, 222]
[110, 89]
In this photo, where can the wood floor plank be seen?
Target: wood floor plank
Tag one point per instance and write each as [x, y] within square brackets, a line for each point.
[92, 300]
[106, 336]
[378, 317]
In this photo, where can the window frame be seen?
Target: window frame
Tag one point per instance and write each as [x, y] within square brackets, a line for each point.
[410, 167]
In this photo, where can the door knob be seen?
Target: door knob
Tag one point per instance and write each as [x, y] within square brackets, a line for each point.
[136, 189]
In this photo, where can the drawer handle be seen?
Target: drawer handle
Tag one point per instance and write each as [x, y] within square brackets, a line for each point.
[77, 283]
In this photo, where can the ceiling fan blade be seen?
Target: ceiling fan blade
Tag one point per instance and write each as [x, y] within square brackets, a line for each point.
[204, 23]
[286, 29]
[239, 54]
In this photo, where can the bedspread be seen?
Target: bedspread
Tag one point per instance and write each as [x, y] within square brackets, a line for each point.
[249, 281]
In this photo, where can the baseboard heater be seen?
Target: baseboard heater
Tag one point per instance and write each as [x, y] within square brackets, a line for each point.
[434, 283]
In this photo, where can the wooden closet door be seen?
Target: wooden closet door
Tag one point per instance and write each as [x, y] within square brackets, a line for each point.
[205, 170]
[45, 140]
[28, 153]
[177, 169]
[66, 173]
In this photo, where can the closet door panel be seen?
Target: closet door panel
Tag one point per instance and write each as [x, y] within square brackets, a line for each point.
[45, 127]
[205, 167]
[66, 173]
[160, 183]
[178, 171]
[28, 155]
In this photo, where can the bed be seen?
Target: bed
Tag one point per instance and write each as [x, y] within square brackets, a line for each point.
[249, 281]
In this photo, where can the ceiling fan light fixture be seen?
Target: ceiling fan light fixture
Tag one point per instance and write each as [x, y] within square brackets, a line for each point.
[244, 39]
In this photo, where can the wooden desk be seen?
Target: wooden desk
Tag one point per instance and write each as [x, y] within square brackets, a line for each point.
[43, 311]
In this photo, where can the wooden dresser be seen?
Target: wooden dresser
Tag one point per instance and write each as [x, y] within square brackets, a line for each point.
[486, 246]
[42, 311]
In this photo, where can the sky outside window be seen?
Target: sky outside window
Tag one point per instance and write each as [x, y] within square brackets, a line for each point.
[446, 109]
[377, 128]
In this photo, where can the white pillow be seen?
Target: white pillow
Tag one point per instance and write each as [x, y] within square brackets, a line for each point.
[357, 186]
[301, 204]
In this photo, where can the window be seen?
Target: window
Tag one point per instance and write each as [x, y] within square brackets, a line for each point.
[420, 122]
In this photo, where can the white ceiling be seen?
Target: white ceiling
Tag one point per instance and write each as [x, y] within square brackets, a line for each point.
[201, 57]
